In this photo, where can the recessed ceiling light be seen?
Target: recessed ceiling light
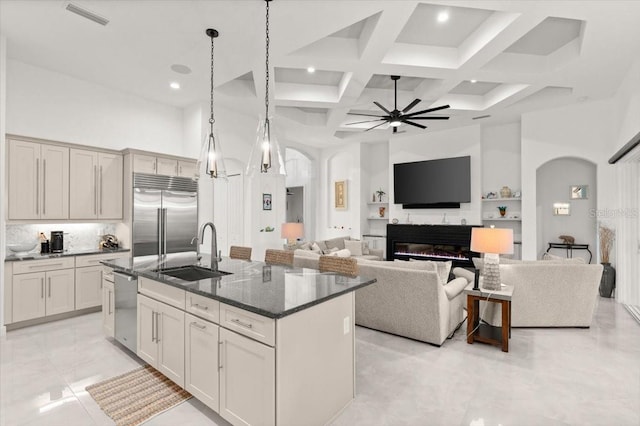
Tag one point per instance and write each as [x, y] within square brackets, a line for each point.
[174, 85]
[181, 69]
[443, 16]
[311, 70]
[474, 81]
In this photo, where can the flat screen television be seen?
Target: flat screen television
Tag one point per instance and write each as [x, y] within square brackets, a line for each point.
[442, 183]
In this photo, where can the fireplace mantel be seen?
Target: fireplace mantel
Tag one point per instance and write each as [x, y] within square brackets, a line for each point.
[430, 242]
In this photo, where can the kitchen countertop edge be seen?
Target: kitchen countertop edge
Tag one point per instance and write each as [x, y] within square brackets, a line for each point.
[38, 256]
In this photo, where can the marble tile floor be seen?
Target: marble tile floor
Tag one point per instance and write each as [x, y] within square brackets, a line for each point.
[549, 377]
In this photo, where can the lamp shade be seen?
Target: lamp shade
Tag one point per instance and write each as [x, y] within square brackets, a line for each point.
[492, 240]
[292, 230]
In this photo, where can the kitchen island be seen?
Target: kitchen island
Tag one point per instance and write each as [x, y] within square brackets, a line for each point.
[263, 344]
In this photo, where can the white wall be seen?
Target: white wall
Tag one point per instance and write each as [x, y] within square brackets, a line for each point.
[583, 130]
[435, 145]
[501, 157]
[3, 130]
[627, 107]
[49, 105]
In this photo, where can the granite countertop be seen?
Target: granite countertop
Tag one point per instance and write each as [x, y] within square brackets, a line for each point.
[81, 252]
[273, 291]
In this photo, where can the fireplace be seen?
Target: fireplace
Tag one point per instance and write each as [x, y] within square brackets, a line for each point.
[430, 242]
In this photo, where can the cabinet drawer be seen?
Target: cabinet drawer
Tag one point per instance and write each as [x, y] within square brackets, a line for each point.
[203, 307]
[27, 266]
[165, 293]
[249, 324]
[95, 259]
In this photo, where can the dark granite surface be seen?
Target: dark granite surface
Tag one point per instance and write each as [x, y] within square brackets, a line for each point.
[38, 256]
[271, 290]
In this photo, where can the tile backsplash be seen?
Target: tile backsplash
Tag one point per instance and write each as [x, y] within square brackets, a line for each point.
[77, 236]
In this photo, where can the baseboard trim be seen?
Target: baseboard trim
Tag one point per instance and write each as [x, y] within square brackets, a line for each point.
[43, 320]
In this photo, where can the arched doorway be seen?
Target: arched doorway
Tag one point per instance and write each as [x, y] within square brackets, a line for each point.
[301, 194]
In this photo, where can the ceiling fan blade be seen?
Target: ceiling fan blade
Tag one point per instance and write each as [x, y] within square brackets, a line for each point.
[366, 121]
[365, 115]
[411, 105]
[428, 110]
[382, 108]
[377, 125]
[415, 124]
[429, 118]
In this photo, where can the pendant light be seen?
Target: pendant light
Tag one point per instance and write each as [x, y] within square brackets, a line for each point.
[265, 156]
[211, 154]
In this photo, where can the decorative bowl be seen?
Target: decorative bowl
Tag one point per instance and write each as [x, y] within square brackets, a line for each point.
[22, 248]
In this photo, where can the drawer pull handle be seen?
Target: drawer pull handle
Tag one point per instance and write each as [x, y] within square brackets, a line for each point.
[244, 324]
[220, 355]
[201, 327]
[195, 305]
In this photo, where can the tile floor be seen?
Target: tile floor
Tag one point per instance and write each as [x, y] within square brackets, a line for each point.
[549, 377]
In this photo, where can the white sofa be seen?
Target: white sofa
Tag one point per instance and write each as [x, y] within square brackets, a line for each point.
[325, 246]
[547, 294]
[409, 302]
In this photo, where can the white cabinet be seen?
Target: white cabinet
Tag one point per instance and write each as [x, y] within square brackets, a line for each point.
[38, 294]
[88, 287]
[95, 189]
[161, 337]
[247, 380]
[157, 165]
[108, 315]
[38, 181]
[201, 360]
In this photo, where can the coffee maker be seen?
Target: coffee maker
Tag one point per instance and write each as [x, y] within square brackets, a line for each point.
[57, 242]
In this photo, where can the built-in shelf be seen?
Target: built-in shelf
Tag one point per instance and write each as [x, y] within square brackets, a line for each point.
[501, 199]
[378, 218]
[376, 203]
[503, 219]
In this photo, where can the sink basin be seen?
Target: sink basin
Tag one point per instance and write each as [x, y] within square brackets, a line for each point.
[192, 273]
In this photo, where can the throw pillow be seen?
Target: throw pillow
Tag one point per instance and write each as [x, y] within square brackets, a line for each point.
[549, 256]
[323, 246]
[354, 246]
[336, 242]
[305, 246]
[330, 251]
[341, 253]
[316, 248]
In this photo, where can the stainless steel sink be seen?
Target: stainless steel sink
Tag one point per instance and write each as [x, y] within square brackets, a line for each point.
[192, 273]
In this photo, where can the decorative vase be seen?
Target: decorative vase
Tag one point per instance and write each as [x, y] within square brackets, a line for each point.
[374, 197]
[608, 280]
[505, 192]
[503, 211]
[381, 211]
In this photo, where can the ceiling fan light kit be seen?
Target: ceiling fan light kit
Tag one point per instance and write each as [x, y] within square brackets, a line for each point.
[396, 117]
[265, 156]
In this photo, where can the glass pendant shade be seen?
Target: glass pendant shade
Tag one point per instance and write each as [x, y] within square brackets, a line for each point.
[211, 158]
[265, 156]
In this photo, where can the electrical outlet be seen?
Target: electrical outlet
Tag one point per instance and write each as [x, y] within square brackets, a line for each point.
[347, 325]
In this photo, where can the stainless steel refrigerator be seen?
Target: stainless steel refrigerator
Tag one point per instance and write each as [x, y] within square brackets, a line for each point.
[165, 214]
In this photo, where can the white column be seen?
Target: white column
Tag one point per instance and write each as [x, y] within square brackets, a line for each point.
[3, 131]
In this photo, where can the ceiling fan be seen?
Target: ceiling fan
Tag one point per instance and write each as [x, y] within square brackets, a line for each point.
[396, 117]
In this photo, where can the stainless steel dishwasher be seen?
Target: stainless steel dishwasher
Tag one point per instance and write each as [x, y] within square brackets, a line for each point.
[126, 309]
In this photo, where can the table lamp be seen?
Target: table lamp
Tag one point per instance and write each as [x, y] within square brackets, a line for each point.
[292, 231]
[492, 242]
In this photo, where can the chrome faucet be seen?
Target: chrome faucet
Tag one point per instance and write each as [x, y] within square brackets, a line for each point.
[197, 240]
[215, 256]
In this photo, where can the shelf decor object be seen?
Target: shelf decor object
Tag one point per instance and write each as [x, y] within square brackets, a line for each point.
[211, 153]
[492, 242]
[503, 210]
[265, 156]
[380, 194]
[608, 281]
[505, 192]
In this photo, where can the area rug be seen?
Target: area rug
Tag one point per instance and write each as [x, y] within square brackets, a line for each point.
[134, 397]
[634, 311]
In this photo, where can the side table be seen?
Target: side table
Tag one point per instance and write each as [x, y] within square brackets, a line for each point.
[485, 333]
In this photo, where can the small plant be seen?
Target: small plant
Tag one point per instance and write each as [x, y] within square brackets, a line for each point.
[607, 235]
[380, 193]
[503, 210]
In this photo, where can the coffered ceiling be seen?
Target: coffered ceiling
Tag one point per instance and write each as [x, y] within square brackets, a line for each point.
[488, 58]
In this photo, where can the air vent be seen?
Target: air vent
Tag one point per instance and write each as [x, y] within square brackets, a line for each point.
[480, 117]
[86, 14]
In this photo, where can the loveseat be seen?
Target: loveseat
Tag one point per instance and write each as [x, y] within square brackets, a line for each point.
[409, 302]
[547, 294]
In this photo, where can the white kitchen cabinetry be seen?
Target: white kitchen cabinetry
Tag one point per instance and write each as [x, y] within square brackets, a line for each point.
[38, 181]
[201, 360]
[38, 294]
[95, 189]
[247, 380]
[108, 313]
[88, 287]
[157, 165]
[161, 337]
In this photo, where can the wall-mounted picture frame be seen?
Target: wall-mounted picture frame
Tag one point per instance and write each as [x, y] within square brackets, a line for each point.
[579, 192]
[561, 209]
[340, 194]
[266, 201]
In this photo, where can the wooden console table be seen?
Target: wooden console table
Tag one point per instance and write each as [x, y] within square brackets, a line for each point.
[485, 333]
[570, 248]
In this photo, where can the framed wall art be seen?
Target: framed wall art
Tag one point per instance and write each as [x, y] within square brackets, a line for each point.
[579, 192]
[341, 194]
[266, 201]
